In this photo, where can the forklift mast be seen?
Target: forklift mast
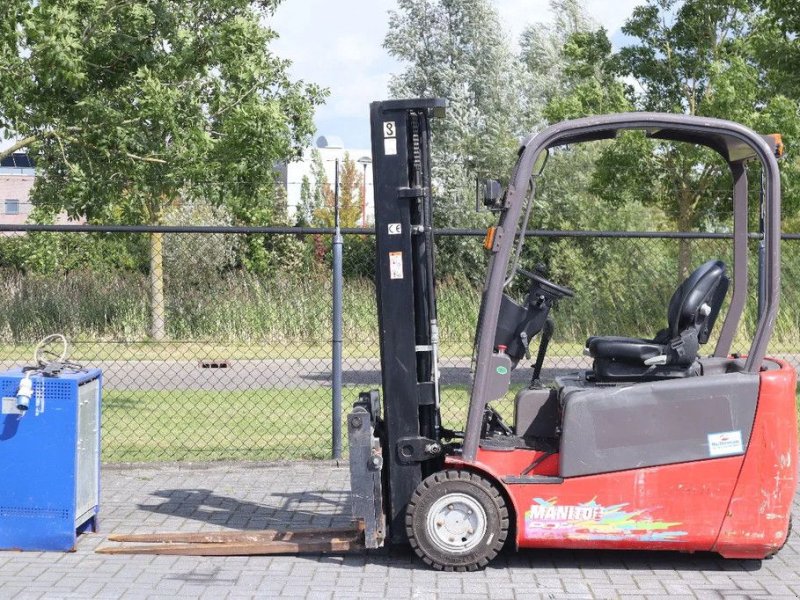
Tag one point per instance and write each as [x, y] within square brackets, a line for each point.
[406, 299]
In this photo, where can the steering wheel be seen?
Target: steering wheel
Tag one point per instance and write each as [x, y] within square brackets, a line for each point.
[549, 286]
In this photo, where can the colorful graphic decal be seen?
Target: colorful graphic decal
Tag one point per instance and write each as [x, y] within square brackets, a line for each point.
[592, 521]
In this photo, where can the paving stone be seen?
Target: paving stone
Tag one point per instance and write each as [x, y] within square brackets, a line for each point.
[255, 496]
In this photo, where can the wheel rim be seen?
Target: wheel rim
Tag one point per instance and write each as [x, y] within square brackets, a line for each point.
[456, 523]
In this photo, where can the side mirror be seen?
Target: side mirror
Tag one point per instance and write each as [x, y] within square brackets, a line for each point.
[493, 195]
[540, 163]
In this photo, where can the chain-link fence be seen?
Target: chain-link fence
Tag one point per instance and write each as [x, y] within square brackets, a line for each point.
[233, 359]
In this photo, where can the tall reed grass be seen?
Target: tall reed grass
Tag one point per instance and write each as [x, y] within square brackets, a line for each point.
[239, 307]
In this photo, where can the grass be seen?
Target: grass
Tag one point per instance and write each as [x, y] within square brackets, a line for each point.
[145, 426]
[93, 351]
[267, 424]
[245, 316]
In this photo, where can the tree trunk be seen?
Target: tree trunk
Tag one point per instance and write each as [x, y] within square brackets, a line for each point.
[684, 258]
[157, 308]
[684, 224]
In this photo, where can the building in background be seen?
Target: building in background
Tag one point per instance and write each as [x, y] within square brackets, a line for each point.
[16, 180]
[330, 149]
[17, 174]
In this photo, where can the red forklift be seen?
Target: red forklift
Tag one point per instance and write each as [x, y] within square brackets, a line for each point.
[657, 446]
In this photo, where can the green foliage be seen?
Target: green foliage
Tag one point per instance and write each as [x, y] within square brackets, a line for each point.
[697, 57]
[125, 104]
[274, 255]
[197, 256]
[689, 56]
[61, 253]
[350, 182]
[358, 256]
[543, 54]
[622, 287]
[98, 305]
[456, 49]
[588, 85]
[306, 206]
[774, 40]
[130, 107]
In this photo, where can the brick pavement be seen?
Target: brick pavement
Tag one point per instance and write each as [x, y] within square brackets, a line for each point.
[295, 495]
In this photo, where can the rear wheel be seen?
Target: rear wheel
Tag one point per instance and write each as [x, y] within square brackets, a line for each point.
[457, 521]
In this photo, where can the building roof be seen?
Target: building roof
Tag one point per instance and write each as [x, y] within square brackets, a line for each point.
[18, 160]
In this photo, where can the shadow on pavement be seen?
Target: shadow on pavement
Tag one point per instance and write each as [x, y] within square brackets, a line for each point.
[298, 510]
[303, 510]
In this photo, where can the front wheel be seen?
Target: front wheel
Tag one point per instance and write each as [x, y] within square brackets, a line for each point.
[456, 521]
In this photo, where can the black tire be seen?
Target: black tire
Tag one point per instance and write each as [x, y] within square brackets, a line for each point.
[457, 521]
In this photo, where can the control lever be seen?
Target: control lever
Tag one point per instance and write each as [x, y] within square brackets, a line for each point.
[661, 359]
[523, 336]
[544, 341]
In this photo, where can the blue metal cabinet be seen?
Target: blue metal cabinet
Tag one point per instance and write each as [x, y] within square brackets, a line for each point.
[50, 461]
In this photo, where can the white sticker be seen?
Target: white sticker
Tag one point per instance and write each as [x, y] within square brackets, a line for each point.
[395, 265]
[10, 406]
[389, 129]
[390, 146]
[727, 442]
[395, 229]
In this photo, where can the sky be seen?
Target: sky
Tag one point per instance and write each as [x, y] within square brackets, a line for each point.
[338, 44]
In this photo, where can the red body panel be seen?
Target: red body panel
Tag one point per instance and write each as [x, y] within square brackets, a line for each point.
[757, 519]
[738, 506]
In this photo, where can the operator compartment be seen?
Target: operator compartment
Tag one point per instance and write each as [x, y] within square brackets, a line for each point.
[602, 428]
[645, 401]
[628, 426]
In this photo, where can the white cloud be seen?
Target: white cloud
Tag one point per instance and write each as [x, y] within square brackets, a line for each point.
[612, 15]
[338, 45]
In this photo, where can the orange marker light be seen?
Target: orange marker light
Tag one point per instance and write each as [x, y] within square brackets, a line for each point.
[777, 139]
[488, 241]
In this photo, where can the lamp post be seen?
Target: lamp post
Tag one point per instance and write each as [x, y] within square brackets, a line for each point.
[364, 160]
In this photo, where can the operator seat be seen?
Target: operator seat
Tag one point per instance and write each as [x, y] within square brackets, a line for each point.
[692, 312]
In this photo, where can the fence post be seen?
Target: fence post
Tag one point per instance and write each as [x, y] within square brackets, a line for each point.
[336, 412]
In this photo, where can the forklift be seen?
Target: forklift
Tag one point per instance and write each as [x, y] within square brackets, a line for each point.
[657, 446]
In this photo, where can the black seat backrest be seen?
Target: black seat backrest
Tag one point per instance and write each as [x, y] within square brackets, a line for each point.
[708, 284]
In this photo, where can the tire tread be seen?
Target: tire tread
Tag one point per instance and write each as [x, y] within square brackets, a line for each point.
[481, 557]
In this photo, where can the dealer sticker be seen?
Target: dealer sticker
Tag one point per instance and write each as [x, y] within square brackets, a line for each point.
[727, 442]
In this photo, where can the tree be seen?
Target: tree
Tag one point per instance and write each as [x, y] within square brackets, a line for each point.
[133, 107]
[199, 256]
[774, 41]
[456, 49]
[688, 57]
[563, 56]
[349, 197]
[312, 190]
